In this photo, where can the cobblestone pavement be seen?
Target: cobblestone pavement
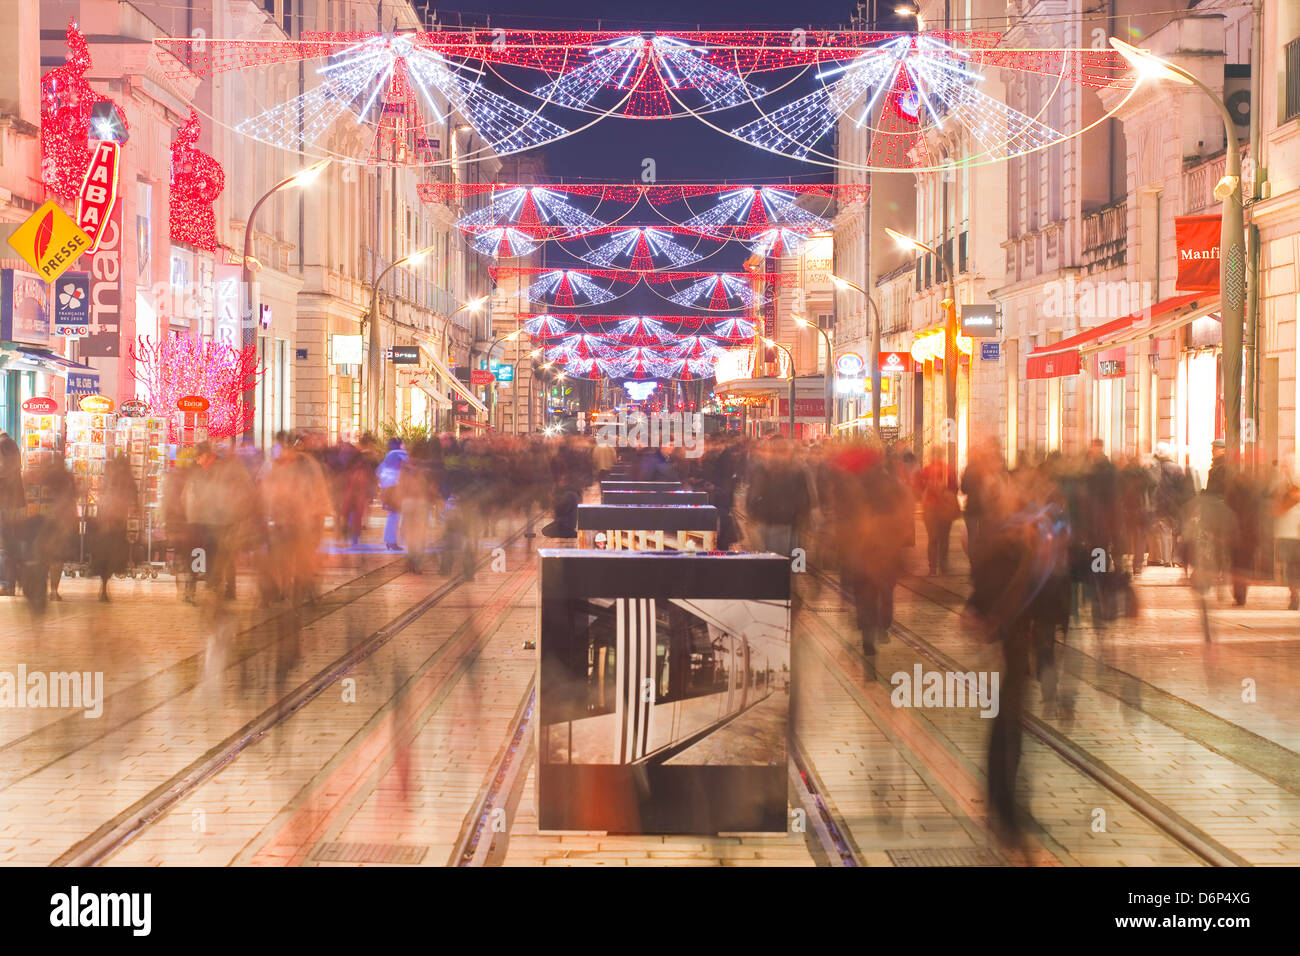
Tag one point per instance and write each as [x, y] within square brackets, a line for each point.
[1177, 751]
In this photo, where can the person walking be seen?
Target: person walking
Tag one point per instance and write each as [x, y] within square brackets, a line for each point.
[110, 548]
[939, 509]
[390, 470]
[13, 507]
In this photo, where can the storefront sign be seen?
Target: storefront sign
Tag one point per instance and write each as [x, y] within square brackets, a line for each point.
[404, 355]
[72, 305]
[82, 385]
[505, 373]
[96, 403]
[891, 363]
[818, 260]
[850, 364]
[480, 376]
[979, 321]
[733, 364]
[192, 403]
[134, 408]
[1198, 253]
[346, 349]
[991, 351]
[227, 327]
[803, 408]
[50, 241]
[24, 309]
[106, 291]
[1110, 368]
[40, 405]
[99, 192]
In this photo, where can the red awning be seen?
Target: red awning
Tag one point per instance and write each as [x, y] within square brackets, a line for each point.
[1062, 358]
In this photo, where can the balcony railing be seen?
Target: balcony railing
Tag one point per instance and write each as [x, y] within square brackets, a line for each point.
[1199, 182]
[1105, 235]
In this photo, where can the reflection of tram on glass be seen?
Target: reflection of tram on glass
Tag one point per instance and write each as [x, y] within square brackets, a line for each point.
[645, 681]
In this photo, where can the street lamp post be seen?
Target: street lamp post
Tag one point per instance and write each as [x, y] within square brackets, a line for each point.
[495, 342]
[950, 358]
[248, 331]
[875, 347]
[1232, 238]
[792, 378]
[372, 390]
[830, 371]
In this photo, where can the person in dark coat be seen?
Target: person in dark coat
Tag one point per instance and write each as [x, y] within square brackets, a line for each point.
[110, 549]
[13, 508]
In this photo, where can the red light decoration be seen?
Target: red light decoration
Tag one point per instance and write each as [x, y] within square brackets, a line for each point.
[197, 181]
[67, 100]
[183, 365]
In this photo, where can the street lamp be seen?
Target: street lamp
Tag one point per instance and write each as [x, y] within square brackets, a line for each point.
[791, 358]
[842, 285]
[495, 342]
[905, 11]
[1232, 237]
[372, 403]
[803, 323]
[248, 336]
[949, 346]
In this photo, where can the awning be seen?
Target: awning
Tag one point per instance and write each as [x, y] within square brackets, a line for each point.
[457, 385]
[42, 360]
[1065, 357]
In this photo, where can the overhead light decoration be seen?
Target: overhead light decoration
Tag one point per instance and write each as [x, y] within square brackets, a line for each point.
[197, 180]
[929, 346]
[645, 247]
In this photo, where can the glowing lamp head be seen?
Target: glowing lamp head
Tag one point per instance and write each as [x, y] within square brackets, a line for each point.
[907, 242]
[307, 176]
[1226, 186]
[1147, 65]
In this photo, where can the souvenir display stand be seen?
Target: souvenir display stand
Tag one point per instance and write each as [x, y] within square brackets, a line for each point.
[41, 439]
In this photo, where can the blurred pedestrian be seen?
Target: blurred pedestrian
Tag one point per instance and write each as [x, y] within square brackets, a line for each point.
[939, 509]
[110, 547]
[13, 509]
[388, 473]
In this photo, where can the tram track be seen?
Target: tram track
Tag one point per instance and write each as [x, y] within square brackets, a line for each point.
[129, 823]
[1175, 826]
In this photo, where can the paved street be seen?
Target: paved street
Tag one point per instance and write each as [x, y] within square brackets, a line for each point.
[401, 733]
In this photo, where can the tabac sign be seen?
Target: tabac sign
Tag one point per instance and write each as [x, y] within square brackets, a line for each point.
[98, 192]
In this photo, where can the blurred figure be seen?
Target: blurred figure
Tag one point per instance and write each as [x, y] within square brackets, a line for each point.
[13, 507]
[180, 533]
[939, 509]
[297, 501]
[388, 473]
[1172, 490]
[780, 498]
[110, 549]
[1208, 528]
[603, 459]
[875, 522]
[217, 498]
[1245, 498]
[1287, 532]
[564, 511]
[414, 496]
[56, 536]
[984, 466]
[356, 483]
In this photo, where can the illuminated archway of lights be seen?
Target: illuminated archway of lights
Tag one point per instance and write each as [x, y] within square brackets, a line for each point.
[766, 218]
[708, 291]
[390, 94]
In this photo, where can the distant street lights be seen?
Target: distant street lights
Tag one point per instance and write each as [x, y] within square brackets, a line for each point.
[248, 336]
[950, 357]
[1232, 238]
[778, 345]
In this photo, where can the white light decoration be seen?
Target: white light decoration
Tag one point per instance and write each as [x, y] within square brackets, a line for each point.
[795, 128]
[359, 79]
[756, 208]
[717, 292]
[777, 243]
[565, 288]
[647, 249]
[533, 210]
[504, 242]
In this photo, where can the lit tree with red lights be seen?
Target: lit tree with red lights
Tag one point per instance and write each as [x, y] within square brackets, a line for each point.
[184, 365]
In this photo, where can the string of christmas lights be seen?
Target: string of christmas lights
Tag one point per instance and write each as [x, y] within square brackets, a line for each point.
[196, 181]
[67, 101]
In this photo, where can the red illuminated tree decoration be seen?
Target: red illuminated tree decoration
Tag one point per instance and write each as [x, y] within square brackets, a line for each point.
[66, 104]
[188, 365]
[197, 181]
